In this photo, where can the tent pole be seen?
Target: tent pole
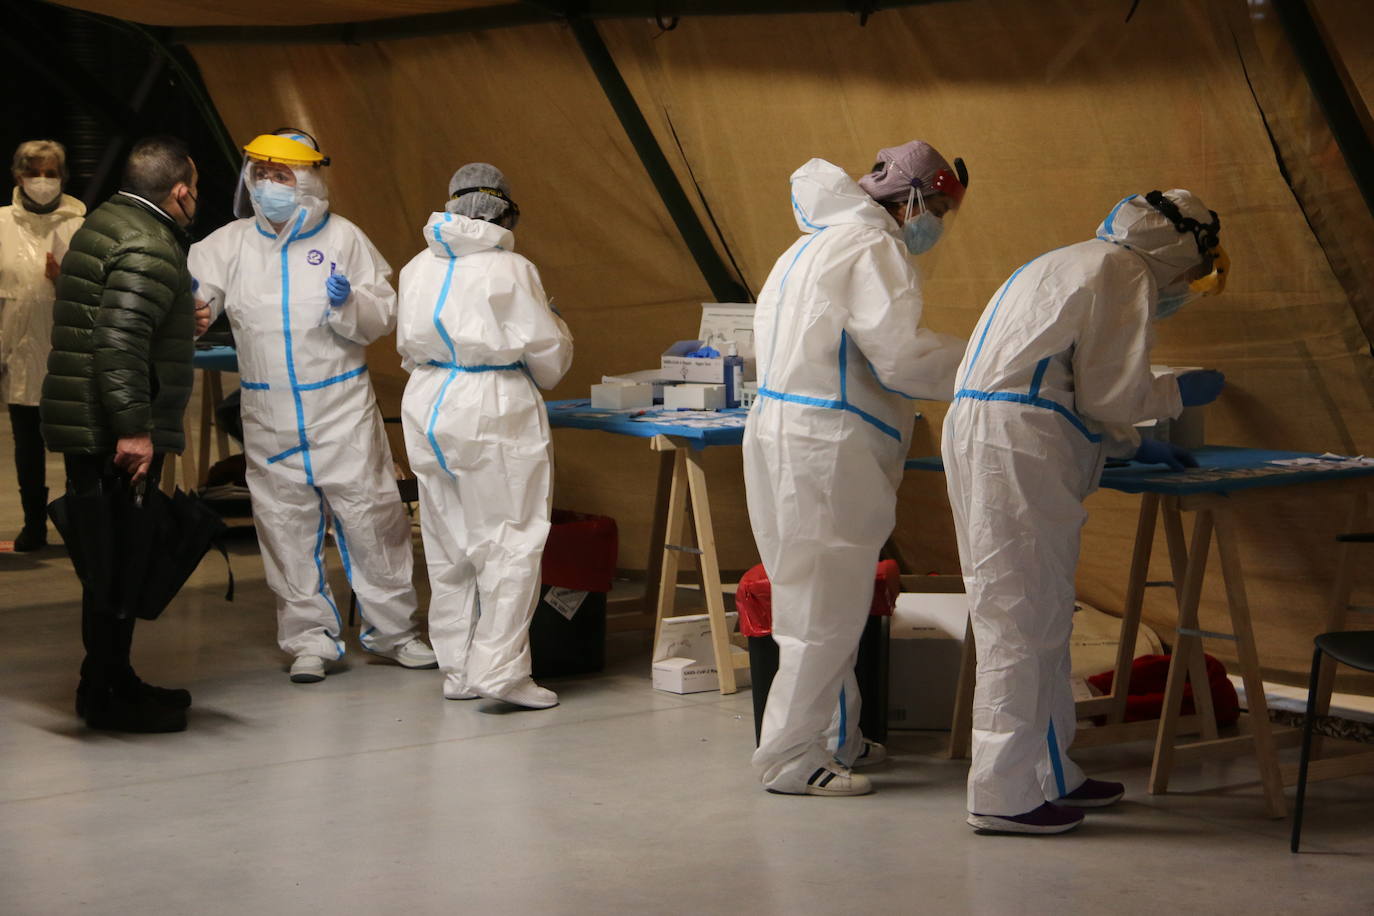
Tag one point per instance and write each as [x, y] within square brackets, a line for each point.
[1324, 77]
[724, 286]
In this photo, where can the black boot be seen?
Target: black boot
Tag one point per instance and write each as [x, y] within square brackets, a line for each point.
[110, 710]
[132, 685]
[35, 533]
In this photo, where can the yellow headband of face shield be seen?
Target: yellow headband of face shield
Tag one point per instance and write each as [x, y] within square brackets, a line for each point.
[1214, 283]
[276, 148]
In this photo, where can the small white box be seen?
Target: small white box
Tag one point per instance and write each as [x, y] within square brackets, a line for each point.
[676, 365]
[925, 650]
[684, 658]
[691, 396]
[620, 397]
[685, 675]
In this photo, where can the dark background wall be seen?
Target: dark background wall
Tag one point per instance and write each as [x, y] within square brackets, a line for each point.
[77, 78]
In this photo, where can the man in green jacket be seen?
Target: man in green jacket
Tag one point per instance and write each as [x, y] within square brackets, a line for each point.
[119, 377]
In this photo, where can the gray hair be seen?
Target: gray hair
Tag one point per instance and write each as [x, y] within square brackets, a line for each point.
[31, 151]
[480, 204]
[155, 166]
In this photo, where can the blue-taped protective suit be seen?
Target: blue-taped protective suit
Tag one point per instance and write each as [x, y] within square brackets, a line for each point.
[313, 437]
[840, 356]
[1057, 372]
[480, 339]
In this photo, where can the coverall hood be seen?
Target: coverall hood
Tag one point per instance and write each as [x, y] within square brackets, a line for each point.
[1135, 225]
[451, 235]
[824, 195]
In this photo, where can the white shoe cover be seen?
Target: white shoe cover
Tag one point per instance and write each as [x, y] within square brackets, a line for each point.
[528, 694]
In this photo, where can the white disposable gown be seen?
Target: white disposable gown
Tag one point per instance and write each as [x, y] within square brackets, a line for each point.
[313, 437]
[26, 293]
[840, 356]
[1056, 374]
[480, 338]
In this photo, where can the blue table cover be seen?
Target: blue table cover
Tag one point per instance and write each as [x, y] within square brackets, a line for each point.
[223, 359]
[1221, 469]
[582, 415]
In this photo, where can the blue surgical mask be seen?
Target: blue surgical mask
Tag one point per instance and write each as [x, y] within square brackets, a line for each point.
[276, 201]
[921, 234]
[1170, 304]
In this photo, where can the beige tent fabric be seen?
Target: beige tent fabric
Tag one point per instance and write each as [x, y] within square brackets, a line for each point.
[266, 12]
[1059, 108]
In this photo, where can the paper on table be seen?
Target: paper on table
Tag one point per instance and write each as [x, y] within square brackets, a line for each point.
[1326, 462]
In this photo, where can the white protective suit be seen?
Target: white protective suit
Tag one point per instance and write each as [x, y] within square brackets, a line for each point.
[1056, 374]
[26, 293]
[478, 335]
[840, 355]
[313, 436]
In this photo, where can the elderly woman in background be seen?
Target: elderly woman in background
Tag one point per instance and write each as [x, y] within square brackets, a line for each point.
[34, 233]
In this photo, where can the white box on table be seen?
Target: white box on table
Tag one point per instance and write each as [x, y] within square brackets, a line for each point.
[924, 653]
[615, 396]
[692, 396]
[677, 365]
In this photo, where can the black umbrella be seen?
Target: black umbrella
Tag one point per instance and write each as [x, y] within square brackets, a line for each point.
[136, 542]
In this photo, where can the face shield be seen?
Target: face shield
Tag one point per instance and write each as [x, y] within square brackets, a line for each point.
[281, 174]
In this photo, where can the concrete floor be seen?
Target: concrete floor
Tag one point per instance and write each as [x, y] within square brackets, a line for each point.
[370, 794]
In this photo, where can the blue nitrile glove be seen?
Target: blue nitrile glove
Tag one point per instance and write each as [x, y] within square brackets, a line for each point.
[338, 288]
[1200, 387]
[1153, 451]
[703, 353]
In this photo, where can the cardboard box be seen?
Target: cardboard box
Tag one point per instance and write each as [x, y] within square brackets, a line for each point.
[616, 396]
[691, 396]
[684, 660]
[925, 649]
[685, 675]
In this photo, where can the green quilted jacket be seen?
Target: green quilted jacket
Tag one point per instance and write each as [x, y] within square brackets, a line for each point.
[123, 333]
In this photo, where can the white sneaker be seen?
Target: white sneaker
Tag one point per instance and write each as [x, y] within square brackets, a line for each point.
[873, 753]
[833, 780]
[414, 653]
[307, 669]
[528, 694]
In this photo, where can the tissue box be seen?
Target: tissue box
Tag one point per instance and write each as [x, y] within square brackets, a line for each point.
[694, 397]
[619, 397]
[677, 366]
[925, 649]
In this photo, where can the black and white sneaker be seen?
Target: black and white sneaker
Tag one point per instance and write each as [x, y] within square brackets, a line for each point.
[833, 780]
[872, 754]
[1047, 819]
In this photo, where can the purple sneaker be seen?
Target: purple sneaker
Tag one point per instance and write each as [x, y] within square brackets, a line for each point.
[1094, 793]
[1048, 818]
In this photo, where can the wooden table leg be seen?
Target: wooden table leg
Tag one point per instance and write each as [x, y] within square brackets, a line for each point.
[710, 570]
[207, 418]
[1197, 661]
[221, 437]
[1135, 602]
[1266, 754]
[672, 531]
[1183, 645]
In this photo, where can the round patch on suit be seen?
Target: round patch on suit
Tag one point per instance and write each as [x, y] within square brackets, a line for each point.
[315, 256]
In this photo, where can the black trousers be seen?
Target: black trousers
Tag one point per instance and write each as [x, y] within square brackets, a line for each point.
[30, 463]
[108, 639]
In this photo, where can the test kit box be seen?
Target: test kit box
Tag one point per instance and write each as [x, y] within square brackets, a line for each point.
[925, 650]
[680, 367]
[684, 661]
[618, 396]
[693, 396]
